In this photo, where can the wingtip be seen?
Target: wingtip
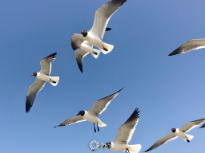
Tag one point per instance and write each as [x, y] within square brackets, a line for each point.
[121, 89]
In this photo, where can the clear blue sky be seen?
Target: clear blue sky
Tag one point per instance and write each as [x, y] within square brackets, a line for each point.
[169, 91]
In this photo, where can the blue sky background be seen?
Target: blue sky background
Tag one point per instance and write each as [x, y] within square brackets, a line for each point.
[169, 91]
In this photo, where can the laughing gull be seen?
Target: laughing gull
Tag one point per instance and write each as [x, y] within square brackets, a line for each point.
[79, 41]
[188, 46]
[180, 132]
[102, 16]
[92, 115]
[124, 136]
[41, 78]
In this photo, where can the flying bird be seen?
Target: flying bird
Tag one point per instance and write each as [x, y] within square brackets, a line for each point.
[102, 17]
[124, 136]
[92, 115]
[193, 44]
[77, 41]
[41, 78]
[180, 132]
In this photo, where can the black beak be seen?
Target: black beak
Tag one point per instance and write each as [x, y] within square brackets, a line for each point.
[78, 114]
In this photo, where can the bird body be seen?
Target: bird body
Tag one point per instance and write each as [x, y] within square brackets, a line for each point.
[88, 48]
[96, 41]
[93, 119]
[183, 135]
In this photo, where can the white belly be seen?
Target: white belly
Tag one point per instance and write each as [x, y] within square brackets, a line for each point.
[95, 41]
[180, 134]
[42, 77]
[118, 147]
[91, 118]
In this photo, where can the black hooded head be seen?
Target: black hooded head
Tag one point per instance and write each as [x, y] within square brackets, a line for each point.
[173, 130]
[34, 74]
[82, 112]
[84, 33]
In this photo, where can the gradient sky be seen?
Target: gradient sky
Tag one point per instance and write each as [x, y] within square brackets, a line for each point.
[169, 91]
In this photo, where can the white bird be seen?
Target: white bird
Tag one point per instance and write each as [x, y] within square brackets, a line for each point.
[124, 136]
[92, 115]
[79, 41]
[193, 44]
[180, 132]
[41, 78]
[102, 17]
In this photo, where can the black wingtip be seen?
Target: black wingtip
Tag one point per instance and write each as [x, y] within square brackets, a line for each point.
[28, 107]
[108, 29]
[80, 67]
[52, 55]
[121, 89]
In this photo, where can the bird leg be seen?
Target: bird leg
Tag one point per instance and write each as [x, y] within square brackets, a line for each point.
[51, 81]
[98, 127]
[94, 127]
[187, 140]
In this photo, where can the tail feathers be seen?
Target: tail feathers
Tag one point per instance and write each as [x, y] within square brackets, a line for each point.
[101, 124]
[134, 148]
[189, 137]
[96, 53]
[107, 48]
[54, 81]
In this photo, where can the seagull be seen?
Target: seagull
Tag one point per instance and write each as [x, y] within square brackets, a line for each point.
[102, 16]
[85, 48]
[193, 44]
[41, 78]
[180, 132]
[124, 136]
[92, 115]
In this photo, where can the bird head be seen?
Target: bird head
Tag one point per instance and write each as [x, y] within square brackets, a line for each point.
[82, 112]
[173, 130]
[34, 74]
[84, 33]
[108, 145]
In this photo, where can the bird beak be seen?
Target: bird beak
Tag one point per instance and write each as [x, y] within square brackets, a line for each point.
[31, 74]
[81, 32]
[78, 114]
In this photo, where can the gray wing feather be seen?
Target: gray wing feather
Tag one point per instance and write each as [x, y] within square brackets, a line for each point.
[72, 120]
[76, 41]
[162, 141]
[46, 64]
[188, 46]
[126, 131]
[189, 126]
[32, 92]
[102, 16]
[79, 55]
[102, 104]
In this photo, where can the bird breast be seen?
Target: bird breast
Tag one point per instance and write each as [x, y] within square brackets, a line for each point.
[95, 41]
[42, 77]
[87, 116]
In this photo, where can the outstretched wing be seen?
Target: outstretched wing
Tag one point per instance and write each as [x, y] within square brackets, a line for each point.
[162, 141]
[46, 64]
[32, 92]
[103, 15]
[72, 120]
[188, 46]
[189, 126]
[76, 41]
[126, 131]
[79, 55]
[102, 104]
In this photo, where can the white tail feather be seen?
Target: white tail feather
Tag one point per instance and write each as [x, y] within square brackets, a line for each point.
[54, 79]
[96, 51]
[189, 137]
[100, 123]
[134, 148]
[108, 47]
